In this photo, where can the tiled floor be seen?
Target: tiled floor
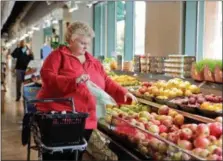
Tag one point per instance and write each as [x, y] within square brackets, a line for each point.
[12, 113]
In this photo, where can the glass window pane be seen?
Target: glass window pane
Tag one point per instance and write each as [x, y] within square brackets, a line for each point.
[120, 27]
[213, 30]
[140, 13]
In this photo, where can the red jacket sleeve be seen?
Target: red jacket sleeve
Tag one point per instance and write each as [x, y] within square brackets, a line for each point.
[50, 77]
[113, 88]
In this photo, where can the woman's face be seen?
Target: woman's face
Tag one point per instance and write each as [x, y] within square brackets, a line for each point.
[79, 44]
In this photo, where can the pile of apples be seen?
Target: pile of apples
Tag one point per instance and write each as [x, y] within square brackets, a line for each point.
[203, 140]
[208, 102]
[168, 89]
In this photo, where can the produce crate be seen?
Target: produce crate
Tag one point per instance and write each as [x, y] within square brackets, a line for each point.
[149, 144]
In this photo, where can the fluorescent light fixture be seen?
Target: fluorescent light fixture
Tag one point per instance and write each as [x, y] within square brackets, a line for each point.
[35, 28]
[14, 41]
[26, 35]
[55, 22]
[74, 8]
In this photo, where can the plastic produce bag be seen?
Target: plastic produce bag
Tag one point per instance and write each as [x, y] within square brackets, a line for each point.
[102, 98]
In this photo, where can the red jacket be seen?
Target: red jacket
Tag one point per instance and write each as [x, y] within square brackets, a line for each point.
[59, 73]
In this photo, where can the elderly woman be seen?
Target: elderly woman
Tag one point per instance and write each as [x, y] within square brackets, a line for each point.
[66, 70]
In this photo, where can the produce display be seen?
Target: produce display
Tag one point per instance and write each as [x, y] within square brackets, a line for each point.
[206, 102]
[168, 89]
[201, 140]
[125, 80]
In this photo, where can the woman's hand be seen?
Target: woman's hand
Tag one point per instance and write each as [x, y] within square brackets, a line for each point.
[82, 78]
[131, 96]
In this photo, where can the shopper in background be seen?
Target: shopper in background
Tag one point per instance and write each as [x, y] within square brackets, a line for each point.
[65, 72]
[24, 55]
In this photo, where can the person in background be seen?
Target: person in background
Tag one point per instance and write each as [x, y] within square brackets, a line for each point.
[24, 55]
[64, 73]
[45, 51]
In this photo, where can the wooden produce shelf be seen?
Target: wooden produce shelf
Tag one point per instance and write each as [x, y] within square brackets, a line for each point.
[186, 114]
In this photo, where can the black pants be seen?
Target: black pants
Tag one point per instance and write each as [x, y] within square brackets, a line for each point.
[67, 155]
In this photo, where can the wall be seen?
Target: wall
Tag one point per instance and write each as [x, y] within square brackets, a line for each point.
[163, 28]
[84, 14]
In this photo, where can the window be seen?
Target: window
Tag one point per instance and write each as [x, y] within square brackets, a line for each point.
[213, 30]
[120, 27]
[140, 13]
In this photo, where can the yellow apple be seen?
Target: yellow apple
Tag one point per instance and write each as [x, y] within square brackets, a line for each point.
[188, 93]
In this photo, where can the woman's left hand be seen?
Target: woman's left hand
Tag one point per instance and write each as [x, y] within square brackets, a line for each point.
[131, 96]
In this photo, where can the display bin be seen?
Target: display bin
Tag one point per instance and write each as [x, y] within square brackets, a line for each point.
[151, 145]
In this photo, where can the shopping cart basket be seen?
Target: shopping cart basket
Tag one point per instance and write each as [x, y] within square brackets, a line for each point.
[55, 131]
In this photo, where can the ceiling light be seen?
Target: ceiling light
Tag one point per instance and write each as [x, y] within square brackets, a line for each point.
[55, 22]
[74, 8]
[35, 28]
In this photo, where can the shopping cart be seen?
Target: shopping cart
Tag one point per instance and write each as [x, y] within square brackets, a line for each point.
[55, 131]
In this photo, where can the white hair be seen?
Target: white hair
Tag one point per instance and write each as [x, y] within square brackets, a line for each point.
[78, 28]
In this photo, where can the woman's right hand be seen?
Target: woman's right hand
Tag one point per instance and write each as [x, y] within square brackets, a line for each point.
[83, 78]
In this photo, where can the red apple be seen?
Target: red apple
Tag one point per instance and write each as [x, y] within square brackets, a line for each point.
[179, 119]
[185, 144]
[173, 137]
[163, 128]
[142, 90]
[167, 122]
[219, 158]
[154, 143]
[156, 122]
[202, 130]
[186, 134]
[193, 127]
[201, 142]
[212, 138]
[216, 129]
[173, 128]
[163, 110]
[218, 151]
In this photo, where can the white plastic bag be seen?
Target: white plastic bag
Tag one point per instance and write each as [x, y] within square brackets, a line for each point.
[102, 98]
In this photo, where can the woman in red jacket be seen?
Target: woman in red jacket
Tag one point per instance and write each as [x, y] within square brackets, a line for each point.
[66, 70]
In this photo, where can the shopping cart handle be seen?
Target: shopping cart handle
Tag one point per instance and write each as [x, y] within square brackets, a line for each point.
[45, 100]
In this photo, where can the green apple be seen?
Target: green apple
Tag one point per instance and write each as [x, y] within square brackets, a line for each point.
[212, 148]
[125, 109]
[143, 119]
[144, 114]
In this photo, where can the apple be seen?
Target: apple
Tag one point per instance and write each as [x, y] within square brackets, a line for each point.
[172, 113]
[200, 100]
[140, 135]
[143, 119]
[173, 128]
[155, 122]
[143, 149]
[201, 142]
[212, 138]
[154, 114]
[204, 153]
[212, 157]
[163, 128]
[173, 137]
[157, 156]
[163, 110]
[154, 129]
[162, 147]
[193, 127]
[184, 144]
[202, 130]
[177, 156]
[179, 119]
[154, 143]
[188, 93]
[211, 148]
[197, 151]
[218, 151]
[140, 125]
[215, 129]
[186, 134]
[164, 135]
[192, 100]
[219, 158]
[218, 119]
[167, 122]
[142, 90]
[144, 114]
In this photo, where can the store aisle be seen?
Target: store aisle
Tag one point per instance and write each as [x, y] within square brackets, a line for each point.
[11, 117]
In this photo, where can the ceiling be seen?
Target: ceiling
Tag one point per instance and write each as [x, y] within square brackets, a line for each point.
[17, 9]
